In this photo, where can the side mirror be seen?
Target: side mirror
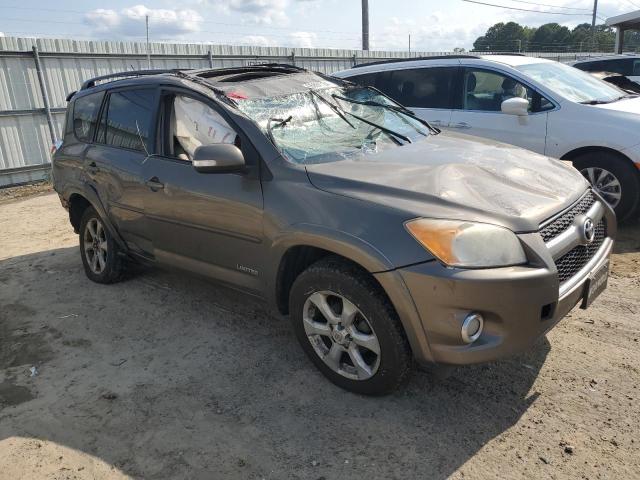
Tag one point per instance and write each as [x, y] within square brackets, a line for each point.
[218, 158]
[515, 106]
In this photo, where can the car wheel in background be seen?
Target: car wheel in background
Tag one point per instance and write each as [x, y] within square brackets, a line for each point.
[348, 328]
[100, 253]
[614, 178]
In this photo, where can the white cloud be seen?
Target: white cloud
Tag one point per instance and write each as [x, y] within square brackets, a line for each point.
[257, 41]
[265, 12]
[303, 39]
[130, 21]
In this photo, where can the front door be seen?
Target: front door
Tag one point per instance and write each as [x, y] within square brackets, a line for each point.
[207, 223]
[483, 92]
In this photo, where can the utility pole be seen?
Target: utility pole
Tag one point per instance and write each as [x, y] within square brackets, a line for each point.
[593, 24]
[146, 18]
[409, 44]
[365, 24]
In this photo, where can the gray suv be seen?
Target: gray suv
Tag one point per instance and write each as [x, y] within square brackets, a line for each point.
[384, 240]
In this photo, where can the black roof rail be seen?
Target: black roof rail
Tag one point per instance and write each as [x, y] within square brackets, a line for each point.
[413, 59]
[129, 74]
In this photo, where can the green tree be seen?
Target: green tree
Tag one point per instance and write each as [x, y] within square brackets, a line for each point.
[551, 37]
[504, 37]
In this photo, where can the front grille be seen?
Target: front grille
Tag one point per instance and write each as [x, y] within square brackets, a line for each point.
[560, 224]
[571, 262]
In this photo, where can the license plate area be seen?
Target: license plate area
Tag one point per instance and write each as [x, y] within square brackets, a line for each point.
[595, 285]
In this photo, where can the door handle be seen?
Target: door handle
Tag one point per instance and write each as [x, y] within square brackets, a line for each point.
[154, 184]
[92, 168]
[461, 125]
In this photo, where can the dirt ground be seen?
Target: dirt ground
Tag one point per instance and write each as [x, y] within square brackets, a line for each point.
[163, 376]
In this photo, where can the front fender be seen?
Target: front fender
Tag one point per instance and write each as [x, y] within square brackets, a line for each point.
[368, 257]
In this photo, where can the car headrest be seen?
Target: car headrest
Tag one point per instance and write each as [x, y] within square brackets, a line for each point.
[508, 84]
[471, 82]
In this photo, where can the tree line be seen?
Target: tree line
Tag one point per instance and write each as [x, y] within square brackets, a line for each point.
[552, 37]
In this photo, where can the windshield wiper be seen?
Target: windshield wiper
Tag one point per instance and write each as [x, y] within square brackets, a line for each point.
[333, 107]
[279, 123]
[394, 108]
[392, 134]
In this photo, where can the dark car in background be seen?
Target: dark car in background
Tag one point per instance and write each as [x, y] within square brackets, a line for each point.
[383, 239]
[626, 65]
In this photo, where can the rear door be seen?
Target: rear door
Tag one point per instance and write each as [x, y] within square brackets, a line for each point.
[427, 91]
[482, 93]
[209, 223]
[123, 141]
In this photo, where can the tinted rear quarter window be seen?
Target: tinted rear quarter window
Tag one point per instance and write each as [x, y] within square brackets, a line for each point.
[422, 87]
[127, 119]
[85, 116]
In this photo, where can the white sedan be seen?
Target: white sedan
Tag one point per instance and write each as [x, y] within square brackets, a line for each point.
[538, 104]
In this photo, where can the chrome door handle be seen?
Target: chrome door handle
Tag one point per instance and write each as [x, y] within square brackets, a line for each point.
[461, 125]
[154, 184]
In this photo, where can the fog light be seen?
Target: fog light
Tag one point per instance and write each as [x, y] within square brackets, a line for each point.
[472, 327]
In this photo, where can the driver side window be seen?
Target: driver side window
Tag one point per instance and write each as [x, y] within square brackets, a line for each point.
[485, 90]
[193, 123]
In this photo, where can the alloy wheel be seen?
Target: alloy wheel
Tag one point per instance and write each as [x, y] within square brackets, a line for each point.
[605, 183]
[95, 246]
[341, 335]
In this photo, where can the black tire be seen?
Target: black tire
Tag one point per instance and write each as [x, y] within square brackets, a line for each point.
[113, 263]
[333, 274]
[624, 172]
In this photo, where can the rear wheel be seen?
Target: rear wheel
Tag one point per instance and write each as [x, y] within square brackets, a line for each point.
[614, 178]
[348, 328]
[99, 251]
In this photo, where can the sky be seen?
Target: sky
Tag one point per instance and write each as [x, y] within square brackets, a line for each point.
[434, 25]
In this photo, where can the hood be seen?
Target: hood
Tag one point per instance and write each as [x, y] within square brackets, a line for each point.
[458, 177]
[626, 105]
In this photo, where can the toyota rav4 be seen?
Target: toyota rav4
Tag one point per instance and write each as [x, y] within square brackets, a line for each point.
[383, 240]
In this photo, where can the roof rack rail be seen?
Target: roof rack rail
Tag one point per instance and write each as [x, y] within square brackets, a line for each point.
[413, 59]
[129, 74]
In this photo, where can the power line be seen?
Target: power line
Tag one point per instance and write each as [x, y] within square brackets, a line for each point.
[528, 9]
[552, 6]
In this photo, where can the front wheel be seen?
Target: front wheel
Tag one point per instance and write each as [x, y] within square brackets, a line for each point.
[348, 328]
[614, 178]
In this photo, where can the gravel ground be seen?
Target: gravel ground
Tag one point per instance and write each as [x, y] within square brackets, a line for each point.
[162, 376]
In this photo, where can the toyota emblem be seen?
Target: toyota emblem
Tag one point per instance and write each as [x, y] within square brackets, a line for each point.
[589, 230]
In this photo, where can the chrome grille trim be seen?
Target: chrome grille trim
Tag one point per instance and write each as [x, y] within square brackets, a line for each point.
[567, 244]
[569, 239]
[556, 225]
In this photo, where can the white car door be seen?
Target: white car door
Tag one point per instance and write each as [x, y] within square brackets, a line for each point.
[483, 92]
[427, 91]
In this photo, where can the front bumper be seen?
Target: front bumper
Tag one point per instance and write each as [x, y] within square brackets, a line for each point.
[519, 304]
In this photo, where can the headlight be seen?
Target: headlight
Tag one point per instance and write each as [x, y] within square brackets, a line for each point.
[468, 244]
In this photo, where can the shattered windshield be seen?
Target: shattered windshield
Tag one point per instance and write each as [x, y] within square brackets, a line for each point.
[332, 124]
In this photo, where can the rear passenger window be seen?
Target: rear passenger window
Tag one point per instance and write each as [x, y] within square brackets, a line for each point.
[127, 119]
[367, 79]
[422, 87]
[85, 116]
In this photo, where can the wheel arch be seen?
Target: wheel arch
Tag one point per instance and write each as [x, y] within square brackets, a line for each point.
[79, 201]
[577, 152]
